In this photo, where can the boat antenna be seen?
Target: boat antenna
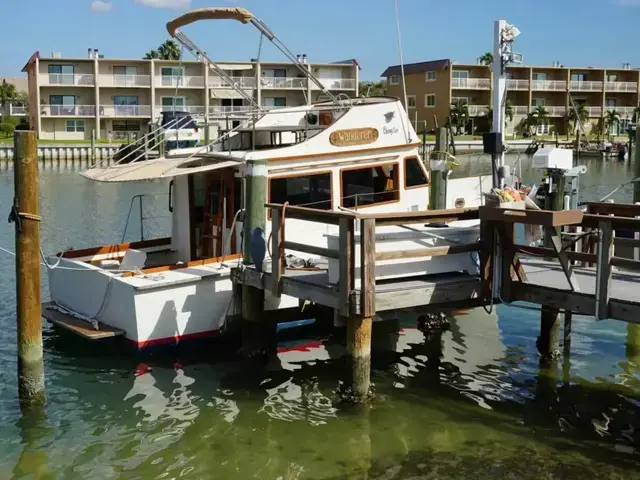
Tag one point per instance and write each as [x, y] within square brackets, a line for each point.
[404, 83]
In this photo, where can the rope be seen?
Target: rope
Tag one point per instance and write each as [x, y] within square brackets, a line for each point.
[16, 216]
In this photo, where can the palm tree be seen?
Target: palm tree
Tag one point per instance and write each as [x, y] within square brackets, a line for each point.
[539, 116]
[610, 119]
[169, 50]
[486, 59]
[579, 113]
[8, 93]
[459, 114]
[508, 113]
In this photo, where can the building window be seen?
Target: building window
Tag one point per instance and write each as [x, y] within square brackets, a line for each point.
[430, 100]
[411, 101]
[542, 129]
[414, 174]
[61, 74]
[537, 102]
[125, 126]
[612, 77]
[368, 186]
[611, 102]
[172, 71]
[173, 102]
[460, 74]
[125, 100]
[508, 75]
[313, 191]
[125, 70]
[538, 76]
[74, 126]
[275, 72]
[275, 102]
[394, 79]
[456, 100]
[578, 77]
[431, 76]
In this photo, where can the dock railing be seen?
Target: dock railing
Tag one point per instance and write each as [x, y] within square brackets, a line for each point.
[344, 296]
[597, 250]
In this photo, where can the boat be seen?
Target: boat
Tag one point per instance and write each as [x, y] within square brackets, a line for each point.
[356, 154]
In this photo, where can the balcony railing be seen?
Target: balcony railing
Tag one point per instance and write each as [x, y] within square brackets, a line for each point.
[520, 110]
[68, 79]
[228, 109]
[549, 85]
[622, 87]
[477, 110]
[68, 110]
[178, 81]
[125, 110]
[580, 86]
[240, 82]
[624, 112]
[336, 84]
[594, 111]
[283, 82]
[517, 84]
[471, 83]
[125, 80]
[556, 110]
[192, 109]
[18, 110]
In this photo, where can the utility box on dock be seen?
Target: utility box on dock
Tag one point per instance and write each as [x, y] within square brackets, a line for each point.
[553, 159]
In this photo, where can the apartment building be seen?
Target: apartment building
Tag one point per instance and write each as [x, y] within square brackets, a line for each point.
[71, 97]
[434, 86]
[15, 108]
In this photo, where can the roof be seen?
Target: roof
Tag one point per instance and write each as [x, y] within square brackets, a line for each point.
[419, 67]
[350, 61]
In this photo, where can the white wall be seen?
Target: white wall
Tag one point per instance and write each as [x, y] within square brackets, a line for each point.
[180, 238]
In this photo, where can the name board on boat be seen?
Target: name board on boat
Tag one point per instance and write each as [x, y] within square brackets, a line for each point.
[353, 136]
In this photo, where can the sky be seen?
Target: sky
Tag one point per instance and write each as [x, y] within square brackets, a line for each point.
[575, 32]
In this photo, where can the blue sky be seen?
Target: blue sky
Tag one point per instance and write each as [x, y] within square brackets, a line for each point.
[587, 32]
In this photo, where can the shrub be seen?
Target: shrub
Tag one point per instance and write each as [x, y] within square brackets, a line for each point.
[6, 129]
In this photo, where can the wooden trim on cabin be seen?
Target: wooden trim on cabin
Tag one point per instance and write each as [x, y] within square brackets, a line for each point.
[346, 152]
[307, 174]
[178, 266]
[122, 247]
[192, 221]
[396, 183]
[421, 167]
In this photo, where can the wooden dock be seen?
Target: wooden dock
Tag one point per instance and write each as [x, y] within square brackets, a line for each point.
[576, 272]
[78, 326]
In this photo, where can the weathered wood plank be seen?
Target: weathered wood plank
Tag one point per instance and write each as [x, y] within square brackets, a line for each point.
[603, 270]
[276, 255]
[617, 209]
[326, 295]
[487, 239]
[78, 326]
[507, 256]
[346, 264]
[546, 218]
[428, 252]
[313, 250]
[618, 223]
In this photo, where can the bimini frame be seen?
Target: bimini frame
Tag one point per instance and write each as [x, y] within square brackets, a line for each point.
[243, 16]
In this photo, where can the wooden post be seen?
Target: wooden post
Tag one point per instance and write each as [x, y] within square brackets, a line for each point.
[549, 332]
[254, 326]
[603, 269]
[276, 244]
[25, 215]
[93, 147]
[346, 265]
[566, 339]
[438, 187]
[160, 143]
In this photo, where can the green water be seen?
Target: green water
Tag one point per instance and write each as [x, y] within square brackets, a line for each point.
[473, 402]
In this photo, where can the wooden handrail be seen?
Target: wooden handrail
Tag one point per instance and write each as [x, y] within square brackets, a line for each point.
[618, 209]
[429, 252]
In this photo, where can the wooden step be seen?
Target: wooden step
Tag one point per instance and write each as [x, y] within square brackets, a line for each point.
[78, 326]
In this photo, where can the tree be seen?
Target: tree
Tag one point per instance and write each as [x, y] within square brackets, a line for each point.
[458, 115]
[486, 59]
[539, 116]
[8, 93]
[169, 50]
[579, 113]
[636, 114]
[610, 119]
[508, 113]
[372, 89]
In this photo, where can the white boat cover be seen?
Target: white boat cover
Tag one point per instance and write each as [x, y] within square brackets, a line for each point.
[212, 13]
[156, 169]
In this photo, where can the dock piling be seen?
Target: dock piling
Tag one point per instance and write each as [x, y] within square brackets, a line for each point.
[25, 215]
[437, 166]
[549, 332]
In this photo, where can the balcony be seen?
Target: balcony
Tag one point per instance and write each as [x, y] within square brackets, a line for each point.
[579, 86]
[180, 81]
[67, 110]
[549, 85]
[194, 110]
[125, 110]
[229, 109]
[624, 112]
[594, 111]
[471, 83]
[622, 87]
[125, 80]
[67, 79]
[239, 82]
[283, 82]
[336, 84]
[517, 84]
[556, 111]
[18, 111]
[520, 110]
[477, 110]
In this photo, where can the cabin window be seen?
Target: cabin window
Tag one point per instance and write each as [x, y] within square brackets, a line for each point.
[313, 191]
[369, 186]
[414, 175]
